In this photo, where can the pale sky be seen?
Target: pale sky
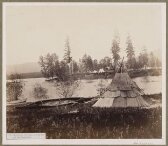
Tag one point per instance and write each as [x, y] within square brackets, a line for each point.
[32, 31]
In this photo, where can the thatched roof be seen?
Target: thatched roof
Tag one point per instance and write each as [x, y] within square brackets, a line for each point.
[122, 92]
[121, 102]
[122, 81]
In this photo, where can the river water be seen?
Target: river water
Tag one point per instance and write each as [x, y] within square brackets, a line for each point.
[88, 88]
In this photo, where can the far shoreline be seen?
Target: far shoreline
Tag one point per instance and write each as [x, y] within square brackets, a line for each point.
[104, 75]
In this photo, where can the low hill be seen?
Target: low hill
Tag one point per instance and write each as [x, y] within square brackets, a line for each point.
[23, 68]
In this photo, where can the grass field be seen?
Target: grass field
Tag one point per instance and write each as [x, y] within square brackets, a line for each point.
[88, 122]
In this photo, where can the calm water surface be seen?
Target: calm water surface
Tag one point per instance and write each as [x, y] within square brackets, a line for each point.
[88, 88]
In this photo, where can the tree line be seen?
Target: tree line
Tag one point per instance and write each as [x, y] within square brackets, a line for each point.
[52, 67]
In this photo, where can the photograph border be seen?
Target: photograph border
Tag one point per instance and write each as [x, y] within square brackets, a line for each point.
[3, 76]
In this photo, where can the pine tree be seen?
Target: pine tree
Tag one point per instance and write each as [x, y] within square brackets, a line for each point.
[115, 51]
[130, 53]
[143, 59]
[67, 50]
[67, 56]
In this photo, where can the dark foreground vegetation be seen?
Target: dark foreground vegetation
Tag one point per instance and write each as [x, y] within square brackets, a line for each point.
[82, 121]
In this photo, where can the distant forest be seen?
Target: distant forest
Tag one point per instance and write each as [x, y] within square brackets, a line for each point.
[51, 66]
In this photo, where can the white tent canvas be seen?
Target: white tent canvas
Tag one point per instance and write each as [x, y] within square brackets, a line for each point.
[101, 70]
[94, 71]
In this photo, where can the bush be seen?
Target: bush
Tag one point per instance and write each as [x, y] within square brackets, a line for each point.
[14, 88]
[40, 92]
[66, 89]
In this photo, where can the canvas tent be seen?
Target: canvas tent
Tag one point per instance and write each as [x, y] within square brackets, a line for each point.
[101, 70]
[122, 93]
[94, 71]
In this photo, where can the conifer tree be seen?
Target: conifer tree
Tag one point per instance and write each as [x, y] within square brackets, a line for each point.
[115, 51]
[130, 53]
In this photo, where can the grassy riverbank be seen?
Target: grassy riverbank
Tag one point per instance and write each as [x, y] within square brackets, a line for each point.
[88, 122]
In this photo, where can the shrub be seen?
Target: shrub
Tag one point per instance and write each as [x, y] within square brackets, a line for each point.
[14, 87]
[67, 88]
[40, 92]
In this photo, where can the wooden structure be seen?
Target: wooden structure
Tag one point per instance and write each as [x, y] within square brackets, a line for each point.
[122, 93]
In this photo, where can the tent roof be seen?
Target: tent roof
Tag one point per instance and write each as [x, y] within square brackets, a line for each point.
[122, 92]
[121, 102]
[122, 82]
[126, 93]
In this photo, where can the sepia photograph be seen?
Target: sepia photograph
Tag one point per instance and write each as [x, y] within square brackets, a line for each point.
[84, 73]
